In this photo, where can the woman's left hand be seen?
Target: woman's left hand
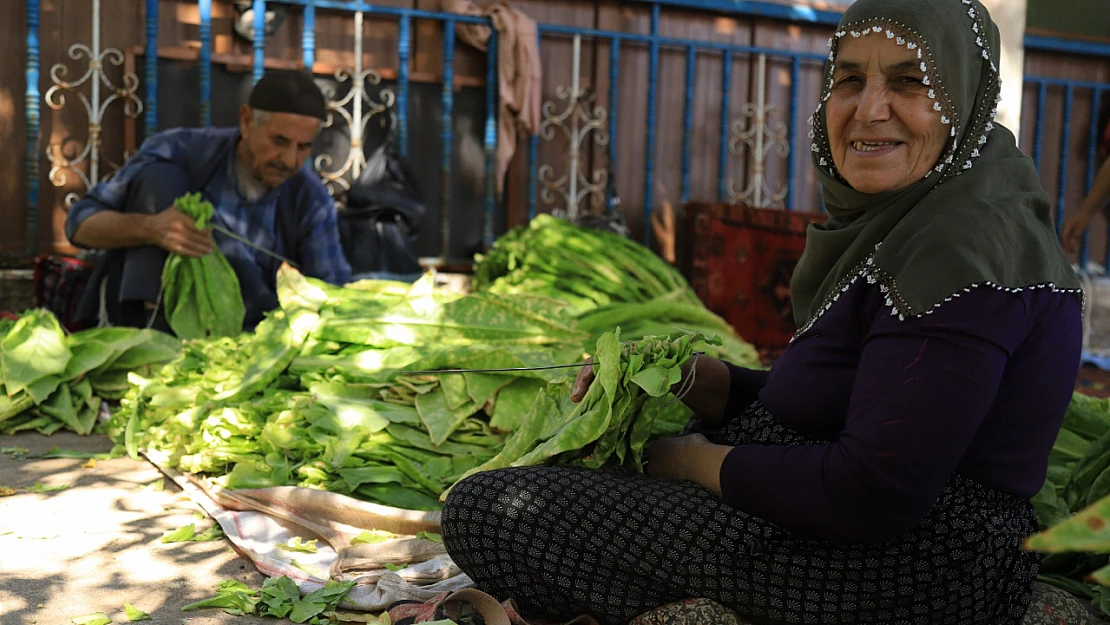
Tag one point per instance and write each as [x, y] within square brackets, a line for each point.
[691, 457]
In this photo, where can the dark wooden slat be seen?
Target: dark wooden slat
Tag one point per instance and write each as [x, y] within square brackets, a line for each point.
[13, 192]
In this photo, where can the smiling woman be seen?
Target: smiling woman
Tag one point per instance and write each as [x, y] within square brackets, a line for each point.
[882, 470]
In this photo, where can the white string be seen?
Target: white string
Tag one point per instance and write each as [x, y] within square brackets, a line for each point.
[687, 384]
[157, 305]
[1087, 283]
[102, 307]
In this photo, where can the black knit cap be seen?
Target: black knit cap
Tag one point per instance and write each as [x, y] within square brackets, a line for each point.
[288, 91]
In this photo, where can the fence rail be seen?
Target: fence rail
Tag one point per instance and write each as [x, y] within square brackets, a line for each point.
[568, 185]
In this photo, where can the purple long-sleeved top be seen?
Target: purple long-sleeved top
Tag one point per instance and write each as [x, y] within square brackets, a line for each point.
[979, 387]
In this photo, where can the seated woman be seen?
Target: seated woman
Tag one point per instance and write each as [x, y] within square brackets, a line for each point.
[882, 470]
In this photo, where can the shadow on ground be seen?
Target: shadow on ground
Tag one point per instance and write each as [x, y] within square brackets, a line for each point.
[96, 544]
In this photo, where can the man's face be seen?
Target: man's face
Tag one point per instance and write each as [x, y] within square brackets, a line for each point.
[275, 144]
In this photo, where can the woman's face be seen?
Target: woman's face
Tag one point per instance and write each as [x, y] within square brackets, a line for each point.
[883, 131]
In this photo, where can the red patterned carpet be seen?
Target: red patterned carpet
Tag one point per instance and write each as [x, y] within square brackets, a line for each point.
[1093, 381]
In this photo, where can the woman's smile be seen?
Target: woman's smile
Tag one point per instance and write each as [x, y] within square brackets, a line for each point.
[872, 149]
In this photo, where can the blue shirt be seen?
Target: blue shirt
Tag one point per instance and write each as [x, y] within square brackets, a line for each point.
[296, 220]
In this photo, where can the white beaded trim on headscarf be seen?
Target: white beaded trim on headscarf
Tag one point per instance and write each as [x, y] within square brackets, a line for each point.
[873, 275]
[979, 29]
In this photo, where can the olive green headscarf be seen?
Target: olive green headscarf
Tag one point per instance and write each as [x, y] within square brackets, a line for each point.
[980, 217]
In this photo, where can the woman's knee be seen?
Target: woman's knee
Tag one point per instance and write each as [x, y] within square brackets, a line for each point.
[484, 498]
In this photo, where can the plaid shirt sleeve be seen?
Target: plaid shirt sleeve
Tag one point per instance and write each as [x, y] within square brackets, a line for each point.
[320, 251]
[110, 194]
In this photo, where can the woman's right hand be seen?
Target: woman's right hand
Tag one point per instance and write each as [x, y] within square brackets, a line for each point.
[582, 383]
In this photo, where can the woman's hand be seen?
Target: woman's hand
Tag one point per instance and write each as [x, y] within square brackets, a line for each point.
[582, 383]
[707, 398]
[587, 374]
[690, 457]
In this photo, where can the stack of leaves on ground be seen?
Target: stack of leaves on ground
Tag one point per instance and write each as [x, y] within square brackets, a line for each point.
[345, 389]
[322, 394]
[607, 280]
[629, 403]
[201, 296]
[52, 380]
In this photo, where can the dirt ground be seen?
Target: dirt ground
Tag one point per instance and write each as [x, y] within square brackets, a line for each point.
[96, 545]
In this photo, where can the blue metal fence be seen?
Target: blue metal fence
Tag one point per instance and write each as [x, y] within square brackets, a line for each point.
[1069, 88]
[31, 102]
[653, 41]
[150, 122]
[205, 8]
[652, 103]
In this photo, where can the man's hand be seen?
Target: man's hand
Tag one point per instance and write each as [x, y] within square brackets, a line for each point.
[177, 233]
[1072, 233]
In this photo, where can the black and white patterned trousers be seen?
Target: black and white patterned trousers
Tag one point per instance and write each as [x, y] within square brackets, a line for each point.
[614, 544]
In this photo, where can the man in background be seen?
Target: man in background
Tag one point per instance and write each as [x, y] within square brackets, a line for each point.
[255, 177]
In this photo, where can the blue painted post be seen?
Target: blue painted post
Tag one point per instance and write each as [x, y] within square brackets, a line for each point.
[491, 137]
[404, 48]
[1038, 134]
[308, 37]
[533, 157]
[1092, 156]
[688, 120]
[31, 112]
[448, 107]
[792, 127]
[150, 106]
[205, 7]
[722, 150]
[259, 39]
[614, 98]
[1062, 186]
[649, 149]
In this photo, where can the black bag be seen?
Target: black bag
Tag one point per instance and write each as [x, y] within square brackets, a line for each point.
[381, 221]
